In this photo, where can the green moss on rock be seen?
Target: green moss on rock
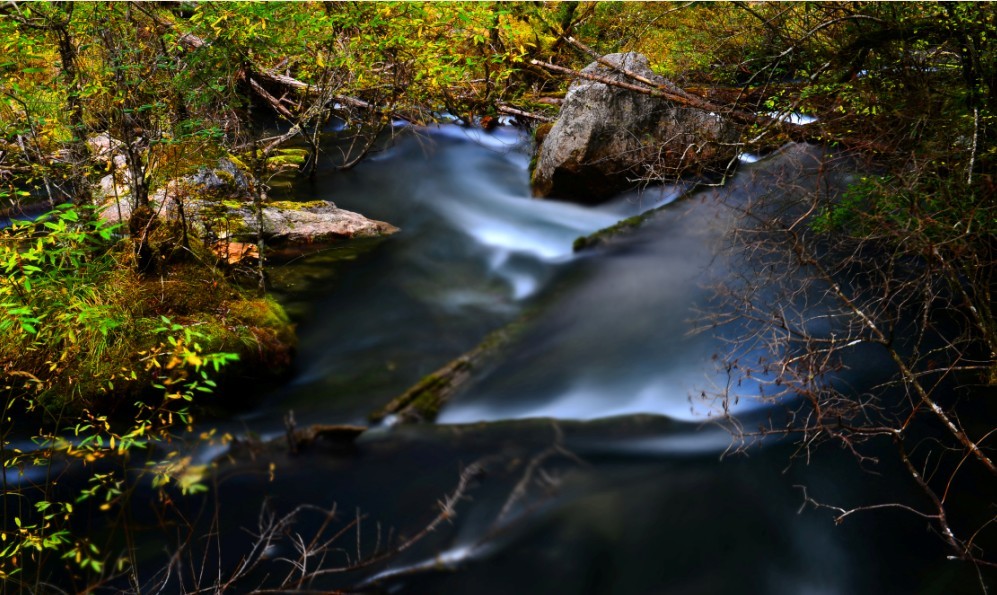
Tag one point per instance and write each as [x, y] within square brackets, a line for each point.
[604, 235]
[294, 205]
[541, 132]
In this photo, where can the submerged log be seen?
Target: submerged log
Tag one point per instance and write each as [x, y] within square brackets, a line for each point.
[423, 401]
[335, 436]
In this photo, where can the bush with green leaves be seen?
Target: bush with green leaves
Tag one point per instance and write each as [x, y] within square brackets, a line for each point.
[57, 312]
[70, 331]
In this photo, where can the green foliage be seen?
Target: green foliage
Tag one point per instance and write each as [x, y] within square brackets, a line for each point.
[919, 212]
[68, 329]
[846, 215]
[55, 300]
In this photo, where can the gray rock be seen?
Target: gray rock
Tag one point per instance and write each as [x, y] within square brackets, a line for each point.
[104, 146]
[607, 139]
[217, 205]
[313, 222]
[225, 176]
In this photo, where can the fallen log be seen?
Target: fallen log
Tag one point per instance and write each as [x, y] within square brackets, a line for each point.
[272, 101]
[283, 79]
[423, 401]
[334, 436]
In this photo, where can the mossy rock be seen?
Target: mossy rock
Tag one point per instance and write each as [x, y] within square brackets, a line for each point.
[260, 332]
[267, 330]
[298, 205]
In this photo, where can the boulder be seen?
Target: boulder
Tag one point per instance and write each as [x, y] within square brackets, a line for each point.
[113, 192]
[217, 205]
[607, 139]
[288, 222]
[105, 147]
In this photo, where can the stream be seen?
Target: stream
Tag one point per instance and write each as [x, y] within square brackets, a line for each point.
[602, 471]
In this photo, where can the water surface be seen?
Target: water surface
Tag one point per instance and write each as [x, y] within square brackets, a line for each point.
[637, 496]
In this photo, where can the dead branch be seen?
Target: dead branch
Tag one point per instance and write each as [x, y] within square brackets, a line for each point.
[506, 109]
[666, 85]
[807, 298]
[683, 99]
[272, 101]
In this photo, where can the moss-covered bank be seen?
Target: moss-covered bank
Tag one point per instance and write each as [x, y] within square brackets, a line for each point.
[101, 339]
[226, 318]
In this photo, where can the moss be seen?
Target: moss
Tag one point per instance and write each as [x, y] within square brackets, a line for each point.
[541, 131]
[604, 235]
[423, 401]
[107, 370]
[293, 205]
[430, 399]
[263, 312]
[172, 293]
[226, 176]
[266, 316]
[539, 135]
[292, 157]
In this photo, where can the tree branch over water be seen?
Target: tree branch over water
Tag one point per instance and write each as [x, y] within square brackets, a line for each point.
[819, 300]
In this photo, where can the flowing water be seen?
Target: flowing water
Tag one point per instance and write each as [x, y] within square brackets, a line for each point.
[474, 250]
[602, 473]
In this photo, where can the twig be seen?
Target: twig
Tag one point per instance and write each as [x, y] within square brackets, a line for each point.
[506, 109]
